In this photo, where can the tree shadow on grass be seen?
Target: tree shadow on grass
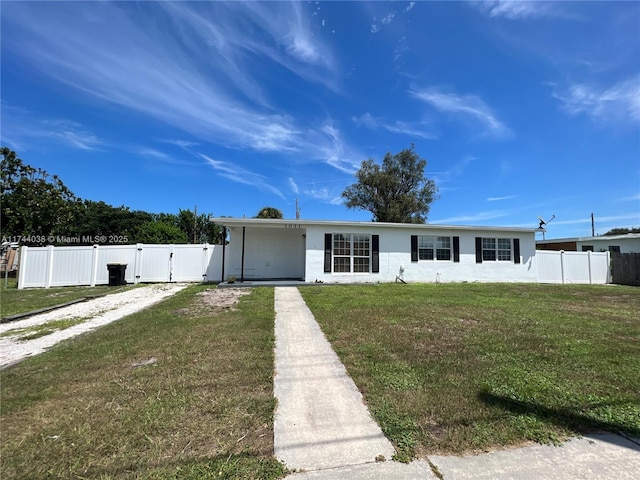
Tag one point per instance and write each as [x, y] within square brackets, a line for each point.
[571, 418]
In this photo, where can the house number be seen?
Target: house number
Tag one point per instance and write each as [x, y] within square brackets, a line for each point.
[291, 225]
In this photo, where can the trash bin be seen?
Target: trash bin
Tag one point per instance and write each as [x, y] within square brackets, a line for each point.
[116, 274]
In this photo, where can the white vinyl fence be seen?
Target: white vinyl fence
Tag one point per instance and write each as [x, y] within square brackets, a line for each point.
[573, 267]
[65, 266]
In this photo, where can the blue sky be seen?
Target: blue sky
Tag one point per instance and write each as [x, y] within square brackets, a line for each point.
[522, 109]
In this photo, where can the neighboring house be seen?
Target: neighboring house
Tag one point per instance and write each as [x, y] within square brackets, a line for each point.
[370, 252]
[627, 243]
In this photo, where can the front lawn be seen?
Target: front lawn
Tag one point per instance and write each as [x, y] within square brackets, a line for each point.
[180, 390]
[454, 368]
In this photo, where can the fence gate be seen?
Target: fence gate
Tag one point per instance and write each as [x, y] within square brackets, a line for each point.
[625, 268]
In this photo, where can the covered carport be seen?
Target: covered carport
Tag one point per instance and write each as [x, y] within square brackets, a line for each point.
[263, 249]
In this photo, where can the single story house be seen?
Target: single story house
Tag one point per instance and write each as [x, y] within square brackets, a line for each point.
[371, 252]
[627, 243]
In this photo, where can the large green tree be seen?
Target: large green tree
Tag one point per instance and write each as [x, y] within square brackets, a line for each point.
[160, 232]
[198, 227]
[100, 218]
[396, 191]
[34, 203]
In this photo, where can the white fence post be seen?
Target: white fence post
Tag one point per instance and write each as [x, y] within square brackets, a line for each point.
[22, 270]
[589, 265]
[562, 266]
[137, 266]
[49, 274]
[94, 265]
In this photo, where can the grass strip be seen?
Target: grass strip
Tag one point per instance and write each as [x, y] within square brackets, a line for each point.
[37, 331]
[203, 408]
[460, 368]
[14, 301]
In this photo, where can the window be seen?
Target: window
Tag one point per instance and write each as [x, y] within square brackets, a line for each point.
[430, 248]
[614, 248]
[496, 249]
[351, 253]
[587, 248]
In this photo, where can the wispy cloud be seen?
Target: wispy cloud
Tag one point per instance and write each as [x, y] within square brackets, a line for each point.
[410, 6]
[516, 9]
[24, 128]
[411, 129]
[620, 102]
[161, 155]
[463, 107]
[71, 134]
[150, 70]
[294, 186]
[388, 18]
[477, 217]
[327, 145]
[500, 199]
[324, 195]
[240, 175]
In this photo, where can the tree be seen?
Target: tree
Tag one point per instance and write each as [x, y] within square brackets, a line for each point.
[100, 218]
[198, 228]
[395, 192]
[34, 203]
[269, 212]
[160, 232]
[622, 231]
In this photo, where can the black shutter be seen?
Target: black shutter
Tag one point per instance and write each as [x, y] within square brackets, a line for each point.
[516, 250]
[414, 248]
[328, 239]
[478, 250]
[456, 249]
[375, 253]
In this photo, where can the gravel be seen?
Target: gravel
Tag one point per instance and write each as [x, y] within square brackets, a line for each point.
[95, 313]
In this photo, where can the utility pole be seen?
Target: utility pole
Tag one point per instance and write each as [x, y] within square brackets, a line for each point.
[593, 227]
[297, 210]
[195, 224]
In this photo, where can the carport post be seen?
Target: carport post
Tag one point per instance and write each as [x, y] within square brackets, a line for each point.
[224, 244]
[242, 265]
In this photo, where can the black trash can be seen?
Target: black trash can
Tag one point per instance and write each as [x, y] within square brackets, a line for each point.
[116, 274]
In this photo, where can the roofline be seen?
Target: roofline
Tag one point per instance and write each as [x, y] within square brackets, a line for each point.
[592, 239]
[266, 222]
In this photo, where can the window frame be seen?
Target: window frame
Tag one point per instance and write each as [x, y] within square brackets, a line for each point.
[436, 245]
[358, 244]
[494, 249]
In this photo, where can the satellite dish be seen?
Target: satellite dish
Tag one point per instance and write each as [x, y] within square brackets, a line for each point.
[543, 223]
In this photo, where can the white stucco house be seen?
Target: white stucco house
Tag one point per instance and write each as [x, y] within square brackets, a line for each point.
[627, 243]
[371, 252]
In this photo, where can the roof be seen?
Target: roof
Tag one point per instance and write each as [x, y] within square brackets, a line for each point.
[601, 238]
[272, 222]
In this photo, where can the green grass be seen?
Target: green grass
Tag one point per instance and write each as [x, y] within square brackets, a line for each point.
[455, 368]
[37, 331]
[14, 301]
[204, 409]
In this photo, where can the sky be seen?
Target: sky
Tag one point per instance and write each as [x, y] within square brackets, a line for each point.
[521, 109]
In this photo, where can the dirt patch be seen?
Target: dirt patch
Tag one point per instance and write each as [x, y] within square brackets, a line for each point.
[222, 297]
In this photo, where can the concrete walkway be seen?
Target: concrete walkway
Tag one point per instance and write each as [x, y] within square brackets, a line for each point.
[321, 421]
[323, 428]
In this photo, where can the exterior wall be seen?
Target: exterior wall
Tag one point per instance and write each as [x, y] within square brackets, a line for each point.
[395, 257]
[557, 246]
[602, 244]
[269, 253]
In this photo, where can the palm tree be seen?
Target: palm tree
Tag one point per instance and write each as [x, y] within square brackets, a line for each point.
[269, 212]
